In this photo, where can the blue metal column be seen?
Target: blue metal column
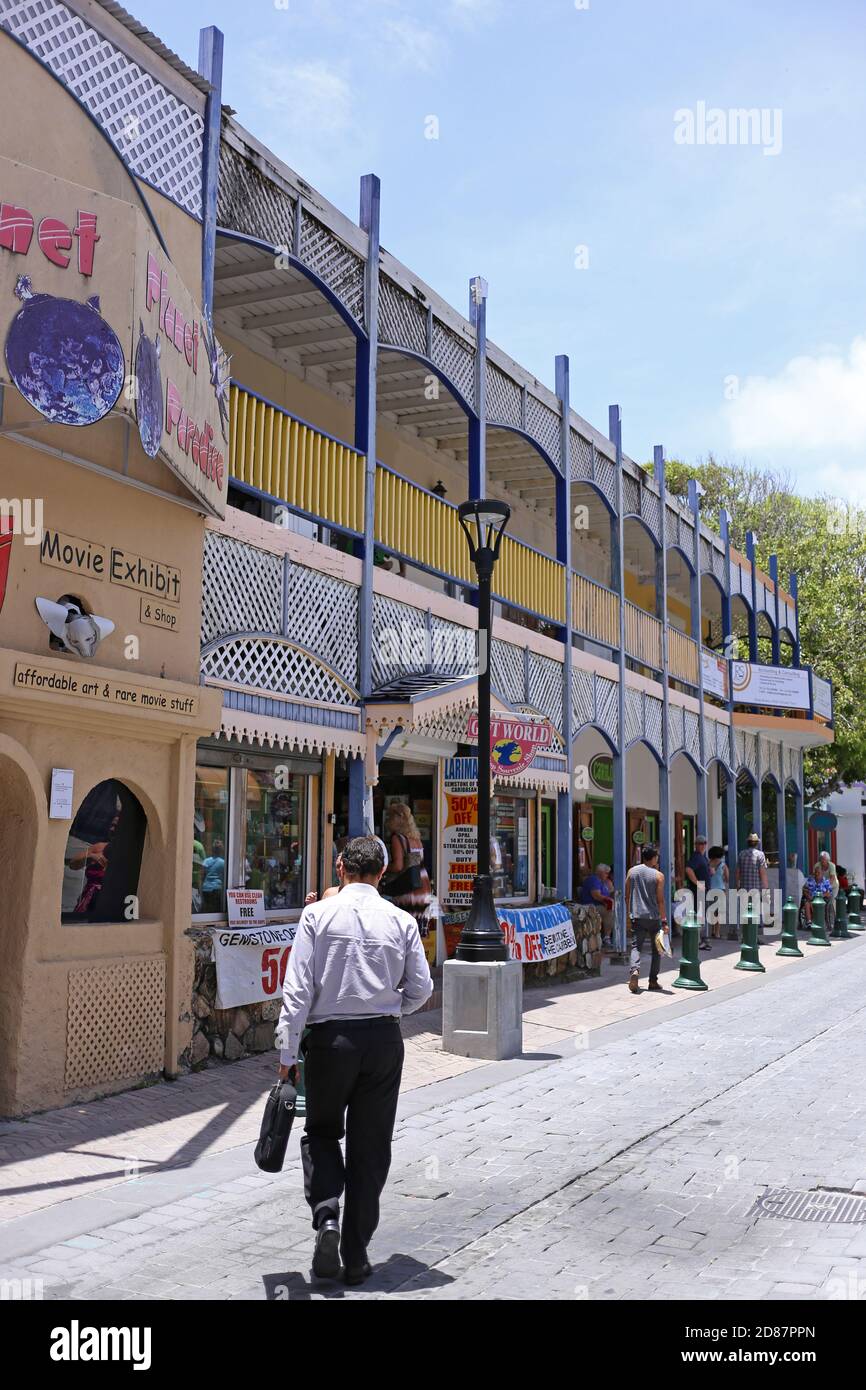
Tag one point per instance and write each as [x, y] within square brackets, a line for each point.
[793, 589]
[774, 575]
[357, 792]
[665, 849]
[783, 828]
[365, 417]
[731, 779]
[758, 794]
[697, 633]
[478, 289]
[210, 65]
[564, 806]
[802, 845]
[620, 848]
[753, 616]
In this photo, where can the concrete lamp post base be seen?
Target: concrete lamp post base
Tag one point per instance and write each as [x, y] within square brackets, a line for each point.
[482, 1009]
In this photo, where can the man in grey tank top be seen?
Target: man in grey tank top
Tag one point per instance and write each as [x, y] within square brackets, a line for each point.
[646, 911]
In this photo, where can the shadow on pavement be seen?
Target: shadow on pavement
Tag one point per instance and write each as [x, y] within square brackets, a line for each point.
[391, 1276]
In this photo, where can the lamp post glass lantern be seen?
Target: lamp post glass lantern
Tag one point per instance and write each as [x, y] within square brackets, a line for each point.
[484, 524]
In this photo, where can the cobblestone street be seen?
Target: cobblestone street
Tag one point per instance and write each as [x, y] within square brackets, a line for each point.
[621, 1160]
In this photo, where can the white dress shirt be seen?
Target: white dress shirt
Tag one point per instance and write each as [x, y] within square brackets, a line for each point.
[354, 956]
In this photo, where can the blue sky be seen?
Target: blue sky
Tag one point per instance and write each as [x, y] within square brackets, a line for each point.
[723, 304]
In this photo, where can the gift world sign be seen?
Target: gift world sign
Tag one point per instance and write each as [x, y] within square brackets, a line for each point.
[514, 741]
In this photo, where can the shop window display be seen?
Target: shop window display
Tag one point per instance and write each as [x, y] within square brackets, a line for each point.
[210, 838]
[274, 848]
[102, 861]
[509, 846]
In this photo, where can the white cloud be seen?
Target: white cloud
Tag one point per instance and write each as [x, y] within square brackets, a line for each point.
[408, 45]
[310, 96]
[814, 408]
[473, 12]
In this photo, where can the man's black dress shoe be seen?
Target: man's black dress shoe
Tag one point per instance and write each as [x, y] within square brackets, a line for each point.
[358, 1274]
[326, 1257]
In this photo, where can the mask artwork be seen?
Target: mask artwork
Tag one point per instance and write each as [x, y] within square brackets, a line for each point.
[77, 632]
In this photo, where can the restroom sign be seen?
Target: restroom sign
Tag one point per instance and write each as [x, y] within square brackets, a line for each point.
[246, 907]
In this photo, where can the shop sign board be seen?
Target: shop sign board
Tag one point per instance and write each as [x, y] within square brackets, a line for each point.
[459, 831]
[715, 675]
[782, 687]
[822, 697]
[95, 319]
[514, 741]
[250, 963]
[823, 820]
[601, 771]
[126, 695]
[537, 933]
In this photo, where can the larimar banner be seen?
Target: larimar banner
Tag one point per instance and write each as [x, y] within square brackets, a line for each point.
[537, 933]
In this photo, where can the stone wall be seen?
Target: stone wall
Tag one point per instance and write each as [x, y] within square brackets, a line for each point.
[225, 1033]
[230, 1034]
[578, 964]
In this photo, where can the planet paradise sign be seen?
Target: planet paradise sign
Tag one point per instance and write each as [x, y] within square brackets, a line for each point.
[514, 741]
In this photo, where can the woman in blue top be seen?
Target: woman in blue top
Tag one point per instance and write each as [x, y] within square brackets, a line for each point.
[214, 871]
[718, 884]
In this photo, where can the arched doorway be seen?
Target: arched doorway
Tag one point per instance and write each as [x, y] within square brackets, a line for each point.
[18, 854]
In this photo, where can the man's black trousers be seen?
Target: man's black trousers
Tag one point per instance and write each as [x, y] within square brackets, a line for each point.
[352, 1081]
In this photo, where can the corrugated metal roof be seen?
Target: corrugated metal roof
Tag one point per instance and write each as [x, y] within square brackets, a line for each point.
[156, 44]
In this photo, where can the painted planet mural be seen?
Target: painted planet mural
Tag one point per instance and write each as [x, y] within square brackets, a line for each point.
[148, 395]
[63, 357]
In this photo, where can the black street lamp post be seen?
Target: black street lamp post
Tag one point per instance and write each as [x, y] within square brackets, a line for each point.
[484, 524]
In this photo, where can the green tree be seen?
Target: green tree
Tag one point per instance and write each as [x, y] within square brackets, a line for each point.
[823, 541]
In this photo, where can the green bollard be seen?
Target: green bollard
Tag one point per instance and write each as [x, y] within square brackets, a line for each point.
[690, 962]
[840, 926]
[855, 903]
[819, 935]
[749, 957]
[790, 917]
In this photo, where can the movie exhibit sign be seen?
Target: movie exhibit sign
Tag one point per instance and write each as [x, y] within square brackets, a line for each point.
[514, 741]
[94, 319]
[782, 687]
[537, 933]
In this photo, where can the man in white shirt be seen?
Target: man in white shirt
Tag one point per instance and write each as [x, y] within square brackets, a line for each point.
[357, 964]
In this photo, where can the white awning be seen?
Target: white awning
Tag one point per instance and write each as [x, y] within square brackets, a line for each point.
[272, 732]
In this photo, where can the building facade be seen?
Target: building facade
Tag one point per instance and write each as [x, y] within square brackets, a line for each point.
[327, 629]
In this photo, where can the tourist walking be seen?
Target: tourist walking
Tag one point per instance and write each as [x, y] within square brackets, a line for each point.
[697, 874]
[718, 886]
[752, 873]
[357, 964]
[646, 912]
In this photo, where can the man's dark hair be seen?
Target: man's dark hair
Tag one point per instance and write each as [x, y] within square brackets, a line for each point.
[363, 857]
[647, 853]
[715, 852]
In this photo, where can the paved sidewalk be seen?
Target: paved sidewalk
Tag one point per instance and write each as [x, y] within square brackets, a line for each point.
[630, 1169]
[62, 1154]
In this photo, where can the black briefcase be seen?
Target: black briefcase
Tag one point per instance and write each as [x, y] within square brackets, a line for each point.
[276, 1127]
